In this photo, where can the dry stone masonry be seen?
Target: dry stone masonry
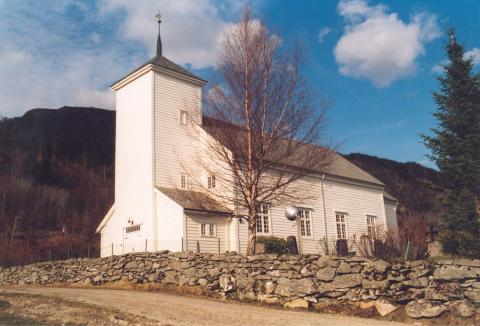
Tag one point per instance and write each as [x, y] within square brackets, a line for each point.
[426, 289]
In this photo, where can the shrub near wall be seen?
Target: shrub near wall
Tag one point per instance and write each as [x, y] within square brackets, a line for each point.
[273, 245]
[427, 289]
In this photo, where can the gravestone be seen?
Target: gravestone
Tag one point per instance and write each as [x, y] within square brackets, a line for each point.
[292, 247]
[342, 247]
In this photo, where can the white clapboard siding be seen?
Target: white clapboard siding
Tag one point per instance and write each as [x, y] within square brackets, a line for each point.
[391, 216]
[208, 161]
[111, 237]
[357, 201]
[175, 145]
[133, 162]
[309, 195]
[169, 223]
[232, 235]
[207, 244]
[243, 237]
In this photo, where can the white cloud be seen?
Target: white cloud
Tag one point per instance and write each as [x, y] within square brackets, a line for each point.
[48, 60]
[438, 67]
[322, 33]
[354, 11]
[28, 81]
[191, 29]
[15, 57]
[96, 38]
[475, 53]
[50, 57]
[378, 45]
[87, 96]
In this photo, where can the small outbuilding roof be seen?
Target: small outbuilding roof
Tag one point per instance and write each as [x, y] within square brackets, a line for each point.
[388, 197]
[194, 200]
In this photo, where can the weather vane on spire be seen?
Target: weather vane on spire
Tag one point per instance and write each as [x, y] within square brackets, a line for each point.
[159, 39]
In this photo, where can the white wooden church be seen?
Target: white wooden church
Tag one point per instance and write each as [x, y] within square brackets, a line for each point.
[158, 105]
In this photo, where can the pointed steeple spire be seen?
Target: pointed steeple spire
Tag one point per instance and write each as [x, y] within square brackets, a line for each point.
[159, 38]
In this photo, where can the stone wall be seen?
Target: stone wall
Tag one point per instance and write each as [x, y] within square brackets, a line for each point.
[427, 289]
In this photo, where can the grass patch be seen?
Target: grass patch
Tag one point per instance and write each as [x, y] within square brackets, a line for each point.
[4, 305]
[149, 287]
[82, 312]
[440, 258]
[12, 320]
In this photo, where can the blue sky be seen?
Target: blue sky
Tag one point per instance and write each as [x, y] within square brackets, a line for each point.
[375, 62]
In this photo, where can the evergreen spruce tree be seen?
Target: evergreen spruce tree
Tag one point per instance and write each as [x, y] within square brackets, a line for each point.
[455, 148]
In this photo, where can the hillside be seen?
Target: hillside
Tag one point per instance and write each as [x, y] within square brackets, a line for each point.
[56, 169]
[56, 182]
[410, 182]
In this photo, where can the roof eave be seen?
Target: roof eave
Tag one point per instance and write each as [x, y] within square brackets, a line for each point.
[105, 219]
[206, 211]
[391, 201]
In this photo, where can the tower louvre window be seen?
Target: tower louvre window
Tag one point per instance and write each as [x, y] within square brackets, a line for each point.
[371, 221]
[183, 117]
[183, 181]
[211, 181]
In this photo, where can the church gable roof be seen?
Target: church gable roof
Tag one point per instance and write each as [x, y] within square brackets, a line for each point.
[338, 165]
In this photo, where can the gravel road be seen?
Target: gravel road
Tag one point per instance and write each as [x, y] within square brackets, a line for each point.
[177, 310]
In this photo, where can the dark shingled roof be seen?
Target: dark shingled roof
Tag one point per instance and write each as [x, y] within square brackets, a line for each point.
[194, 200]
[338, 165]
[163, 62]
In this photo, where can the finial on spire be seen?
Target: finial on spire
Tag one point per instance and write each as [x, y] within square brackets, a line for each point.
[159, 39]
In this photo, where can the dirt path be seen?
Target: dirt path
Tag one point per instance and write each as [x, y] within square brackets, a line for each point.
[176, 310]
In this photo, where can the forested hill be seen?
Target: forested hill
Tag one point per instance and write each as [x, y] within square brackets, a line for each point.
[56, 182]
[69, 133]
[410, 182]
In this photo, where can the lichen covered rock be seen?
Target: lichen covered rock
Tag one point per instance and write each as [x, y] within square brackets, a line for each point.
[424, 309]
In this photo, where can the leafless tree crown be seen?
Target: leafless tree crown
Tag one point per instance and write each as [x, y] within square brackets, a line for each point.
[262, 116]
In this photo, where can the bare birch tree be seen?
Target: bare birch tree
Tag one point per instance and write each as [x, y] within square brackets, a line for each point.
[264, 122]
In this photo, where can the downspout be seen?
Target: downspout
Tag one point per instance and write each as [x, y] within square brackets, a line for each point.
[237, 222]
[324, 212]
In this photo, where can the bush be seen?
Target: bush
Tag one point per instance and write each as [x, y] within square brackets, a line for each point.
[273, 245]
[460, 243]
[460, 236]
